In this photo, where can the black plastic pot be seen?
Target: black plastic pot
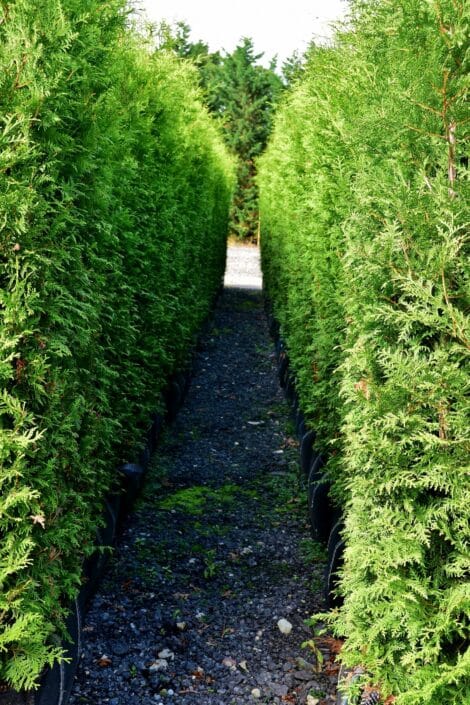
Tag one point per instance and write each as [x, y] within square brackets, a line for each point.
[56, 684]
[184, 380]
[173, 397]
[144, 457]
[111, 508]
[300, 425]
[132, 476]
[278, 349]
[315, 474]
[93, 570]
[273, 328]
[336, 545]
[113, 504]
[283, 368]
[153, 434]
[290, 390]
[321, 511]
[307, 451]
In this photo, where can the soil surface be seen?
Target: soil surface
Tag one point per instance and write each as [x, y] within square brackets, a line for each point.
[217, 549]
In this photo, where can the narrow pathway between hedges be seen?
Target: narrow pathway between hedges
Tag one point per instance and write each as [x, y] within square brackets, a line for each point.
[217, 550]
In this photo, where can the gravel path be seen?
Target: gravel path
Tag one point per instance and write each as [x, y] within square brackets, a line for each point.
[217, 550]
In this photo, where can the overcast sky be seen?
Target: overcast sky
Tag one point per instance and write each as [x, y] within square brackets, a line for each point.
[276, 27]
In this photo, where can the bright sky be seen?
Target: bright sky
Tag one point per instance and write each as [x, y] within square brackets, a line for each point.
[276, 27]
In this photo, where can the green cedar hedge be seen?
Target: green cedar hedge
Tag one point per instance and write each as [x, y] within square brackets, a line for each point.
[115, 190]
[364, 214]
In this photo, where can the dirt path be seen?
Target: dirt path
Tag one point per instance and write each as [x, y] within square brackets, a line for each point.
[217, 550]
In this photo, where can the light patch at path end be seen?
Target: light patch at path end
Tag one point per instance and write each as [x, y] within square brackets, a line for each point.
[243, 269]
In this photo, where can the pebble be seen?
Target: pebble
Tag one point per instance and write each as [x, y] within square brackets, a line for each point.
[256, 693]
[285, 627]
[160, 664]
[166, 655]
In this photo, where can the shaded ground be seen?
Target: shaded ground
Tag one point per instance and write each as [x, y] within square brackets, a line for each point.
[217, 550]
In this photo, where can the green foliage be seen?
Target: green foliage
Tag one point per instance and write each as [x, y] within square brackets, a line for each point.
[243, 95]
[115, 189]
[364, 212]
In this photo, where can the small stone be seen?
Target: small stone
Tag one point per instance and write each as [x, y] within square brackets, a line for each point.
[181, 626]
[160, 664]
[279, 689]
[311, 700]
[302, 675]
[166, 655]
[256, 693]
[285, 627]
[304, 665]
[229, 662]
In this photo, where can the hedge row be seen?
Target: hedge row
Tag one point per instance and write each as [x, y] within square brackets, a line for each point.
[364, 214]
[115, 189]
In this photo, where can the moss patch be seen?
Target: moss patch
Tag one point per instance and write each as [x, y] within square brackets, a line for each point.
[196, 500]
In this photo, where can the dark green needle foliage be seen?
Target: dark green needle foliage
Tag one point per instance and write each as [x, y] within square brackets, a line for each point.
[114, 196]
[245, 96]
[365, 213]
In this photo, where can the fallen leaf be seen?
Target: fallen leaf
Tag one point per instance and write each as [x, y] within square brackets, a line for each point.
[332, 644]
[104, 661]
[331, 668]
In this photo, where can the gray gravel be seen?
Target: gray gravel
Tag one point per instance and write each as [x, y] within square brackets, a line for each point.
[215, 552]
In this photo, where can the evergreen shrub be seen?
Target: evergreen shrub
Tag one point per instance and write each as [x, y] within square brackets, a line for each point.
[364, 212]
[115, 190]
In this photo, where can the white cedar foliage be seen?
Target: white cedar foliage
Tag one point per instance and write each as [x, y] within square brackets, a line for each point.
[365, 199]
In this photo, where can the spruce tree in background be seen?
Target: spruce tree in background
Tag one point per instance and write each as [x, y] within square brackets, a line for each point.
[243, 94]
[294, 66]
[246, 94]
